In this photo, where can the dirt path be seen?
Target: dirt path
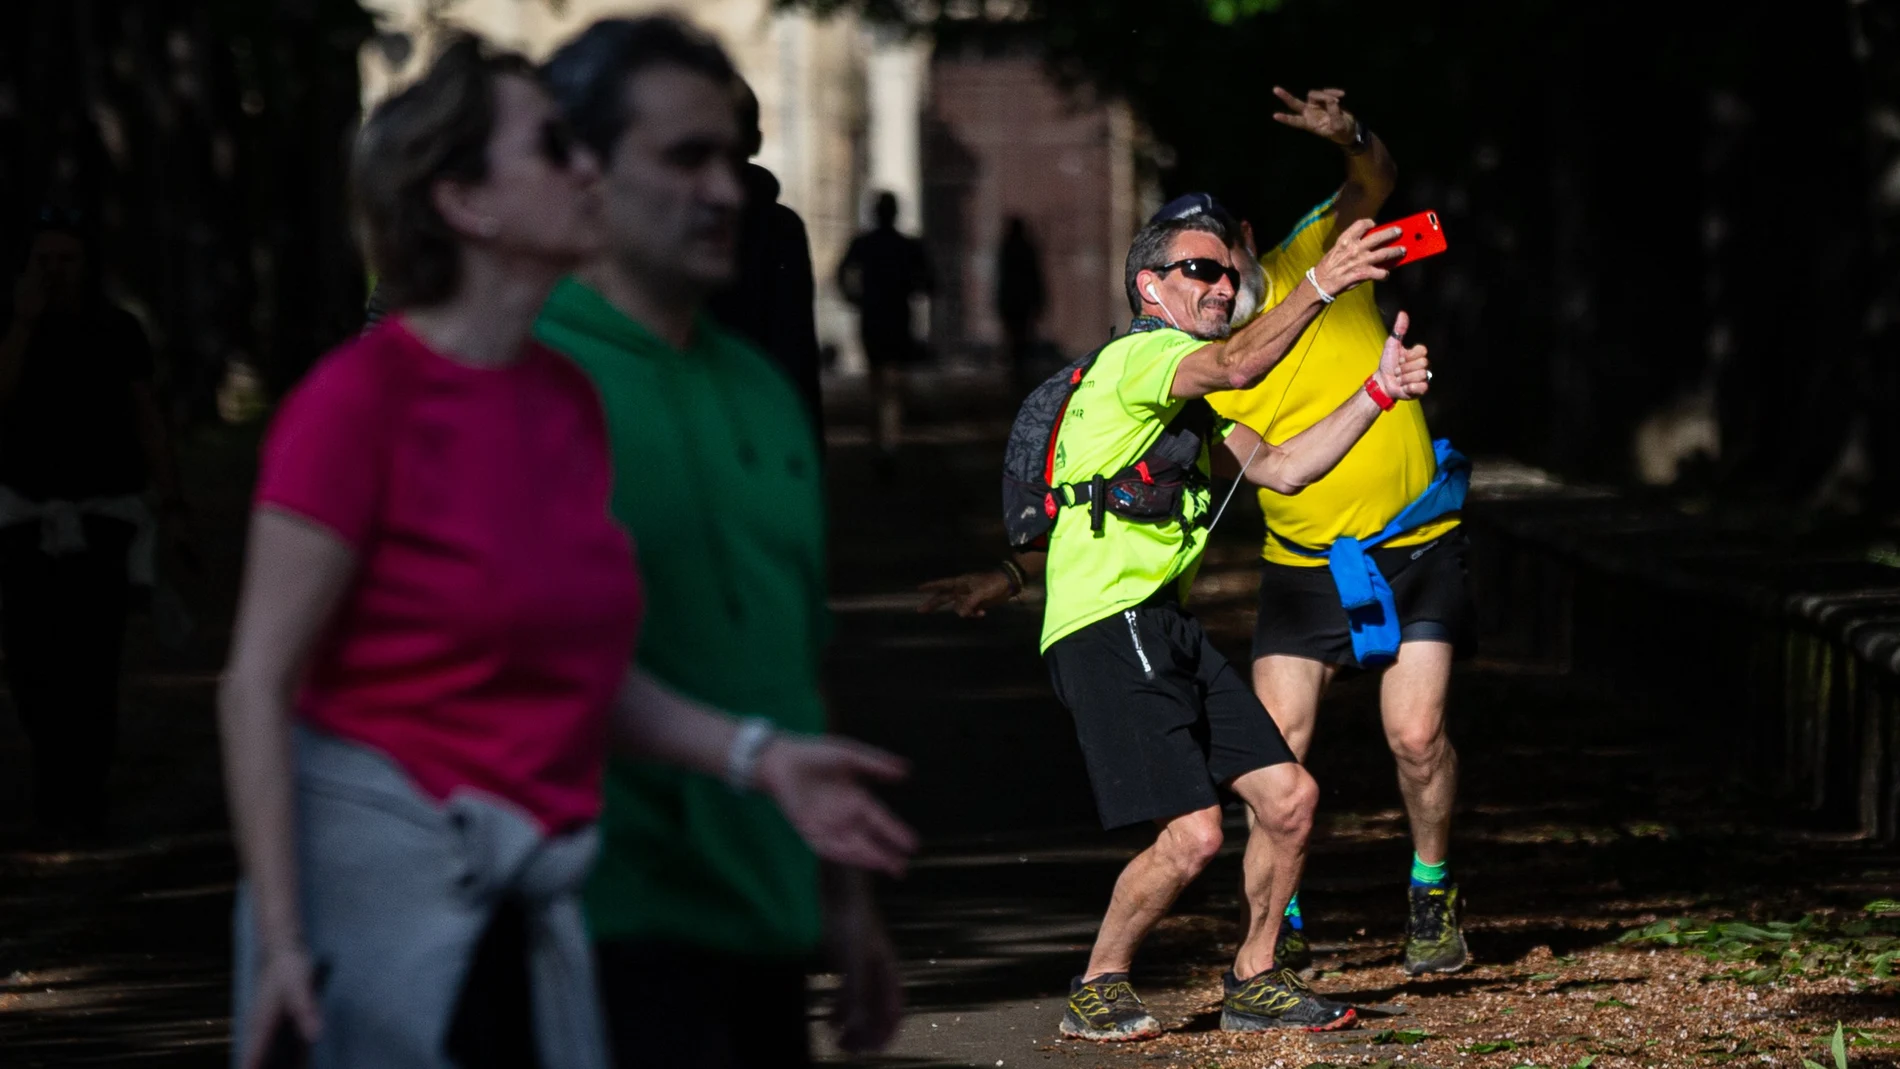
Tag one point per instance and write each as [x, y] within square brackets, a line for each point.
[1581, 818]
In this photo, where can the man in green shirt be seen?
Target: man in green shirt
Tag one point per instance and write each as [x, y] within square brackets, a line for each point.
[1164, 720]
[705, 907]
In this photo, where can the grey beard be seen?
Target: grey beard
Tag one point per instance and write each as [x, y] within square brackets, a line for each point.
[1253, 291]
[1219, 333]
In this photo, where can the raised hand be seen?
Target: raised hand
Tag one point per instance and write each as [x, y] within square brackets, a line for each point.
[1319, 113]
[1404, 373]
[969, 595]
[819, 785]
[1356, 257]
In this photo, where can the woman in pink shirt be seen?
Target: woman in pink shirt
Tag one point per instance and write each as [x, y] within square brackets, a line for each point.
[432, 645]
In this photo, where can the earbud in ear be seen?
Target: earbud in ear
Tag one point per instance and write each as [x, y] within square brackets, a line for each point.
[1151, 293]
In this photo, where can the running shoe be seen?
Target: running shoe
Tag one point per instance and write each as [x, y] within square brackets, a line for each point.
[1278, 998]
[1291, 949]
[1107, 1009]
[1433, 941]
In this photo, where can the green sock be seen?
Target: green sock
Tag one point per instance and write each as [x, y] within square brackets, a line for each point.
[1424, 875]
[1293, 911]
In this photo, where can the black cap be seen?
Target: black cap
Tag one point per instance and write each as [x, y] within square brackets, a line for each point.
[1189, 204]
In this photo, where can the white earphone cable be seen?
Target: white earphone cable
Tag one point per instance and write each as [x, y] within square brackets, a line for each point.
[1318, 324]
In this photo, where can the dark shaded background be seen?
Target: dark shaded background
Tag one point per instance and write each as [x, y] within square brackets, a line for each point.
[207, 143]
[1643, 200]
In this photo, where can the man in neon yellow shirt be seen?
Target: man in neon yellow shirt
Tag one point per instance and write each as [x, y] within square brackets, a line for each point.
[1164, 721]
[1301, 633]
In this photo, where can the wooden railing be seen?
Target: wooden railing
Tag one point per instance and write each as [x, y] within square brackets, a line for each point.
[1778, 648]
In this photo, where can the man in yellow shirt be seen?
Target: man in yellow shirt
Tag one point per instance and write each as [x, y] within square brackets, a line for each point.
[1302, 634]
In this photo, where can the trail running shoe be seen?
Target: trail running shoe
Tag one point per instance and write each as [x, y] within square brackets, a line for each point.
[1107, 1009]
[1291, 950]
[1433, 941]
[1278, 998]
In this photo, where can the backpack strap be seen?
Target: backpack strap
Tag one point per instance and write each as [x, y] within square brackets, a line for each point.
[1082, 369]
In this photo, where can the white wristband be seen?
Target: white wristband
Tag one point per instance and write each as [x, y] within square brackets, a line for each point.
[1325, 298]
[742, 760]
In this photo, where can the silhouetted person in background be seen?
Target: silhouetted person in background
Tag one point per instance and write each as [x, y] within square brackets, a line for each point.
[770, 303]
[80, 436]
[880, 274]
[1020, 296]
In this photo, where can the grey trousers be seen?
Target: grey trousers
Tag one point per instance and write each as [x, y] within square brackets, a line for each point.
[397, 890]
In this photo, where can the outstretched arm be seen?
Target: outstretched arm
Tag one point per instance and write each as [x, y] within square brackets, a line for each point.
[975, 593]
[296, 572]
[1240, 362]
[1370, 172]
[1302, 460]
[818, 782]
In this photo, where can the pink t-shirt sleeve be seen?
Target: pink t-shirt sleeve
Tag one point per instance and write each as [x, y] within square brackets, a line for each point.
[326, 452]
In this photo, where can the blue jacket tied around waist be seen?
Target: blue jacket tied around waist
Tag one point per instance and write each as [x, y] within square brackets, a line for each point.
[1372, 616]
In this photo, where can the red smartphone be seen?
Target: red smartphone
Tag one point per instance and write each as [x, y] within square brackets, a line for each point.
[1422, 236]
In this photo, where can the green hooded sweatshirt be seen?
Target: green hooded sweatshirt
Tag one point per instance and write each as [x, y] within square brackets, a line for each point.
[717, 478]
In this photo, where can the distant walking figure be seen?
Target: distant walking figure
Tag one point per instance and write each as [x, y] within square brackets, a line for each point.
[1020, 296]
[80, 432]
[880, 274]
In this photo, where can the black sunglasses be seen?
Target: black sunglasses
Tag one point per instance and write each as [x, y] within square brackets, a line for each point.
[557, 144]
[1202, 269]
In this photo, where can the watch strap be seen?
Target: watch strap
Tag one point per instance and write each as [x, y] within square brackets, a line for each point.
[748, 745]
[1361, 139]
[1378, 395]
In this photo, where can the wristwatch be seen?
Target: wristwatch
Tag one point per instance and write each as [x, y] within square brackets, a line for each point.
[1361, 139]
[748, 745]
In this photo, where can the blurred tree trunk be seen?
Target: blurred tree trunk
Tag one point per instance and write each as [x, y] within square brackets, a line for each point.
[1572, 309]
[315, 278]
[1875, 32]
[1795, 254]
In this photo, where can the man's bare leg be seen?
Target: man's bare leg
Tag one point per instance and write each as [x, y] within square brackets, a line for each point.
[1149, 885]
[1290, 688]
[1412, 705]
[1256, 998]
[1412, 701]
[1282, 798]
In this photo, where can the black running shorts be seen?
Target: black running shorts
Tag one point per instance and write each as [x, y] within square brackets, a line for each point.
[1162, 717]
[1300, 615]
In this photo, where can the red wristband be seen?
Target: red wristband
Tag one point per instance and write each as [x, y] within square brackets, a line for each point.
[1379, 397]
